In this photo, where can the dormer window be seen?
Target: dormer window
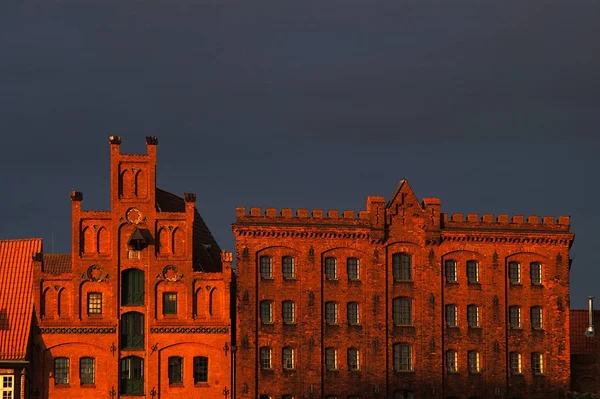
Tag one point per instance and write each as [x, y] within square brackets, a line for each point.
[136, 241]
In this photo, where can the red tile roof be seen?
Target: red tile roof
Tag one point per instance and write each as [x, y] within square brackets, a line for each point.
[16, 296]
[57, 263]
[580, 344]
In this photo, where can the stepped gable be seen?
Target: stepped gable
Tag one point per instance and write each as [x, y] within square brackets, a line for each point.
[56, 263]
[16, 295]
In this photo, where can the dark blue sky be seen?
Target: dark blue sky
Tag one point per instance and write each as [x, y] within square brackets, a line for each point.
[494, 107]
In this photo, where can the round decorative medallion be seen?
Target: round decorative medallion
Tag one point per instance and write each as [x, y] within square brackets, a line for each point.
[94, 273]
[170, 273]
[134, 216]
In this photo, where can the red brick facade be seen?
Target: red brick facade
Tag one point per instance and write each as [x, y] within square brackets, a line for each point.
[585, 354]
[141, 306]
[412, 272]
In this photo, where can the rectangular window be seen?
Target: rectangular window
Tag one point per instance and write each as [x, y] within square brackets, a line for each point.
[451, 272]
[536, 318]
[330, 268]
[94, 303]
[514, 273]
[472, 272]
[200, 369]
[87, 370]
[451, 316]
[402, 357]
[331, 359]
[514, 317]
[537, 363]
[175, 370]
[132, 375]
[266, 312]
[7, 386]
[402, 311]
[265, 358]
[287, 267]
[353, 269]
[169, 303]
[288, 359]
[452, 361]
[402, 267]
[535, 272]
[473, 316]
[288, 312]
[331, 313]
[353, 313]
[61, 370]
[515, 363]
[132, 330]
[133, 287]
[473, 357]
[353, 359]
[266, 267]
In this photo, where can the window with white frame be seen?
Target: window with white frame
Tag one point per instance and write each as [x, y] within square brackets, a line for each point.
[288, 358]
[402, 266]
[452, 361]
[402, 311]
[473, 316]
[266, 267]
[287, 267]
[537, 322]
[473, 360]
[403, 358]
[265, 358]
[353, 313]
[451, 271]
[515, 363]
[331, 268]
[514, 272]
[7, 386]
[353, 269]
[514, 317]
[472, 272]
[331, 359]
[266, 312]
[331, 313]
[535, 273]
[353, 359]
[537, 363]
[451, 315]
[288, 312]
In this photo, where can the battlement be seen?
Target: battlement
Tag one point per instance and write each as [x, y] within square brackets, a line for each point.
[503, 221]
[302, 216]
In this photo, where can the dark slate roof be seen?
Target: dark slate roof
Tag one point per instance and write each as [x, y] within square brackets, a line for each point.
[16, 296]
[168, 202]
[580, 344]
[57, 263]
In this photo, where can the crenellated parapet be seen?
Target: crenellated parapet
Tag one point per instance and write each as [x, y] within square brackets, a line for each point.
[302, 216]
[458, 221]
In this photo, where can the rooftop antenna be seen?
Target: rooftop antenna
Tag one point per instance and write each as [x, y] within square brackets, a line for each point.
[590, 331]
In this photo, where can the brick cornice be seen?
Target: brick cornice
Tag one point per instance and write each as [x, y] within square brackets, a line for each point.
[256, 231]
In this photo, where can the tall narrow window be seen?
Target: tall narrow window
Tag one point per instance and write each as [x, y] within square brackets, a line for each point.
[287, 268]
[353, 313]
[353, 359]
[289, 363]
[451, 315]
[288, 312]
[353, 269]
[330, 268]
[473, 358]
[451, 272]
[514, 317]
[402, 311]
[132, 375]
[61, 370]
[473, 316]
[537, 322]
[7, 386]
[266, 312]
[87, 370]
[169, 303]
[402, 267]
[515, 363]
[472, 272]
[331, 359]
[535, 272]
[133, 287]
[331, 313]
[200, 369]
[266, 267]
[94, 303]
[402, 354]
[452, 361]
[537, 363]
[514, 272]
[132, 331]
[265, 358]
[175, 370]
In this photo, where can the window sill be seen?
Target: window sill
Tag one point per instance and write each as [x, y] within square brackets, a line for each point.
[475, 328]
[354, 370]
[516, 284]
[539, 285]
[170, 315]
[267, 323]
[475, 373]
[333, 370]
[290, 324]
[403, 325]
[331, 279]
[289, 370]
[290, 279]
[540, 329]
[454, 282]
[405, 371]
[453, 327]
[453, 372]
[404, 281]
[475, 283]
[61, 386]
[87, 385]
[95, 315]
[202, 384]
[332, 324]
[354, 280]
[267, 278]
[176, 385]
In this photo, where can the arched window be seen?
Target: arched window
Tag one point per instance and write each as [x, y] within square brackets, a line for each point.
[515, 363]
[266, 312]
[133, 287]
[514, 317]
[331, 313]
[266, 267]
[132, 331]
[452, 361]
[537, 320]
[132, 375]
[331, 268]
[451, 271]
[514, 272]
[265, 358]
[353, 269]
[353, 359]
[353, 311]
[287, 267]
[472, 272]
[402, 266]
[473, 316]
[451, 315]
[288, 358]
[535, 273]
[331, 359]
[288, 312]
[474, 362]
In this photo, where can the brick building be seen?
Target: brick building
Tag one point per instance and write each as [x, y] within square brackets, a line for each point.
[585, 354]
[140, 307]
[16, 311]
[401, 301]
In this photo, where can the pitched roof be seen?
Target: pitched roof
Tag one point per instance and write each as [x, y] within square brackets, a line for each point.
[580, 344]
[168, 202]
[16, 296]
[57, 263]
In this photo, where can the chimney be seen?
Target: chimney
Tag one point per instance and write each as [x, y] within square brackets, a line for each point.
[590, 332]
